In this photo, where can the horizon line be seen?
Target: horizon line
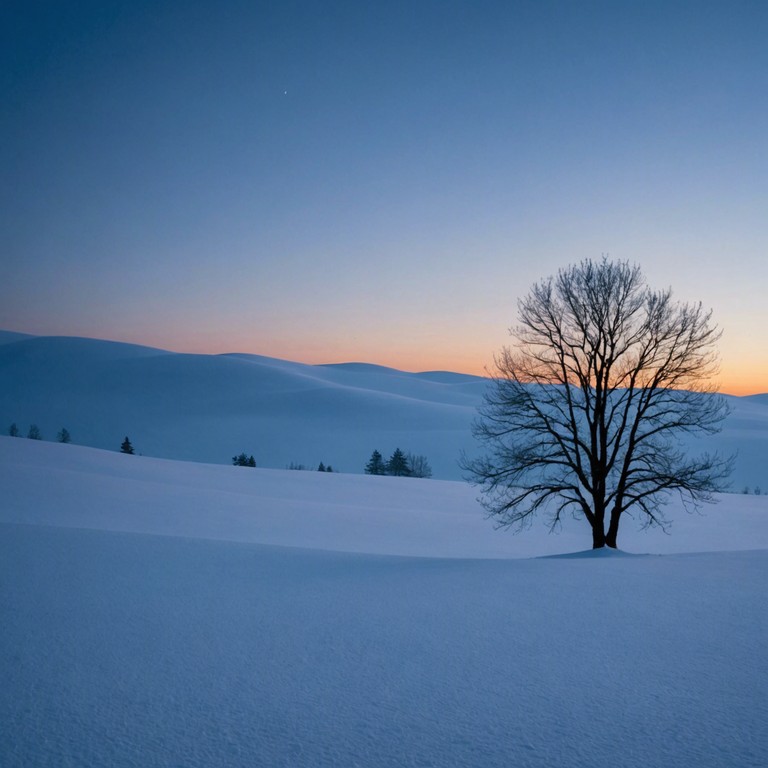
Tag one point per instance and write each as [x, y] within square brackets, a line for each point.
[726, 389]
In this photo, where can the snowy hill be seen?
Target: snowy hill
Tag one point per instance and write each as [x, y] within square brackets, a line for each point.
[158, 612]
[54, 484]
[211, 407]
[208, 408]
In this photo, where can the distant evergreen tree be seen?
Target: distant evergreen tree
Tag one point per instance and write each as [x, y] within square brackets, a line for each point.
[13, 430]
[126, 446]
[321, 467]
[375, 465]
[398, 464]
[64, 436]
[251, 461]
[34, 433]
[329, 468]
[243, 460]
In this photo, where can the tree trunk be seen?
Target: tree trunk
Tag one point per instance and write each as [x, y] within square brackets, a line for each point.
[598, 535]
[613, 531]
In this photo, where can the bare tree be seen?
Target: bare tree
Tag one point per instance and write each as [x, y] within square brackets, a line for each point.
[586, 411]
[418, 465]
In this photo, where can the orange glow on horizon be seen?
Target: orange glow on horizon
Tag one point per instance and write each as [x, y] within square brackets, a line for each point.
[745, 385]
[735, 379]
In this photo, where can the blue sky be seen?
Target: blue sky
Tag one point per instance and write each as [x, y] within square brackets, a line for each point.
[376, 181]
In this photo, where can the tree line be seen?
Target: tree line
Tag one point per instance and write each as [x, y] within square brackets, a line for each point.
[64, 436]
[399, 464]
[34, 433]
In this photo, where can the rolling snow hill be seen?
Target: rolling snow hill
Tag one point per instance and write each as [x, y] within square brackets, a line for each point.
[210, 407]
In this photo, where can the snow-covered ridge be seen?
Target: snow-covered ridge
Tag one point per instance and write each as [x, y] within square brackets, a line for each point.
[74, 486]
[211, 407]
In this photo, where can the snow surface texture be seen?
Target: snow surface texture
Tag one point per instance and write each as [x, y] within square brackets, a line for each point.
[212, 407]
[210, 646]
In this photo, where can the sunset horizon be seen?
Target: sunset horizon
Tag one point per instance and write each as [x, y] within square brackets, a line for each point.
[377, 182]
[739, 386]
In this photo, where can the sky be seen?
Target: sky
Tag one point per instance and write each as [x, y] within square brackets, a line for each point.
[378, 182]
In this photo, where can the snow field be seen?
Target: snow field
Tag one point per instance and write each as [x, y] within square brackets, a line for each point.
[149, 618]
[70, 485]
[128, 649]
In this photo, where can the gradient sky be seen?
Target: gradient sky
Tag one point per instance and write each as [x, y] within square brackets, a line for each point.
[380, 181]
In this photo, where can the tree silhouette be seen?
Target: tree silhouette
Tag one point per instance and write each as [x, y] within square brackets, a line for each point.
[376, 465]
[398, 464]
[418, 466]
[585, 411]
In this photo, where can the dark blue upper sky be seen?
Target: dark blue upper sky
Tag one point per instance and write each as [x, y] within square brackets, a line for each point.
[377, 181]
